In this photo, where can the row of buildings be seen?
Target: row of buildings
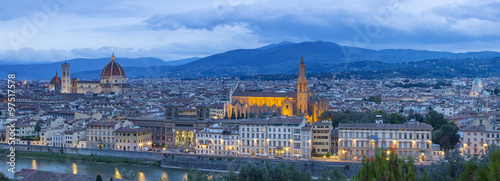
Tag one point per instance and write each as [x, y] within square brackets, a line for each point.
[293, 137]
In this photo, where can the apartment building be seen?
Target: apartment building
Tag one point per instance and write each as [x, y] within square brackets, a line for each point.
[133, 139]
[476, 139]
[408, 139]
[101, 134]
[218, 140]
[279, 137]
[321, 132]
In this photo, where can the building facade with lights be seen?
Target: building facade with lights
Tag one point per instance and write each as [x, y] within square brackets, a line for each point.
[408, 139]
[476, 139]
[133, 139]
[218, 140]
[276, 137]
[301, 103]
[321, 132]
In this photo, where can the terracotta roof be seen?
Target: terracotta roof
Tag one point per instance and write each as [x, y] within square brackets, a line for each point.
[132, 130]
[474, 129]
[406, 125]
[112, 69]
[102, 123]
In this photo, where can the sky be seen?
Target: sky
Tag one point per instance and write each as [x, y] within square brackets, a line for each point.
[54, 30]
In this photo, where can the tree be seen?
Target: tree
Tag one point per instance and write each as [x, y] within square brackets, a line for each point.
[447, 136]
[98, 178]
[335, 175]
[385, 167]
[3, 177]
[492, 169]
[232, 115]
[196, 175]
[435, 119]
[450, 168]
[394, 118]
[37, 128]
[111, 179]
[313, 152]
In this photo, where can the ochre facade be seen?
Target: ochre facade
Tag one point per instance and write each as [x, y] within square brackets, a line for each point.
[300, 103]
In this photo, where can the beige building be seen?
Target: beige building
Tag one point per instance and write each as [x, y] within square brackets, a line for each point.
[321, 132]
[476, 139]
[100, 135]
[73, 137]
[281, 137]
[133, 139]
[409, 139]
[218, 140]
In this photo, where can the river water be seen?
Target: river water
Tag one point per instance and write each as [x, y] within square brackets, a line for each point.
[115, 171]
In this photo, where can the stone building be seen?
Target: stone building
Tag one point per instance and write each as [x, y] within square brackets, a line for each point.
[299, 103]
[408, 139]
[321, 132]
[218, 140]
[113, 79]
[476, 139]
[133, 139]
[176, 129]
[277, 137]
[101, 134]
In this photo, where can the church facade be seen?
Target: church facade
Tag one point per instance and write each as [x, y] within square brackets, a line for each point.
[302, 103]
[113, 79]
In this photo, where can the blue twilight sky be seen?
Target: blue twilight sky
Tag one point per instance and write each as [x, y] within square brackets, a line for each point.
[51, 30]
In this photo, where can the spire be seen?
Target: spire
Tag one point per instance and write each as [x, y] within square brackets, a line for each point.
[301, 59]
[113, 57]
[56, 73]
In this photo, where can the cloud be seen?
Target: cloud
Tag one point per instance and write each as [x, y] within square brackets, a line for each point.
[199, 28]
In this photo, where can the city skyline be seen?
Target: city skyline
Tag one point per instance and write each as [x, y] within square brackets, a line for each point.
[54, 30]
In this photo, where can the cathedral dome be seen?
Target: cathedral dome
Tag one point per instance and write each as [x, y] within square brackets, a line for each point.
[477, 81]
[55, 81]
[113, 70]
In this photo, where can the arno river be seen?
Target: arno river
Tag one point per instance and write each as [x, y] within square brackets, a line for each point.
[68, 166]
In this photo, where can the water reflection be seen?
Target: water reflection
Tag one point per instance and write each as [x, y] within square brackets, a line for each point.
[75, 168]
[140, 176]
[71, 167]
[33, 164]
[164, 174]
[117, 174]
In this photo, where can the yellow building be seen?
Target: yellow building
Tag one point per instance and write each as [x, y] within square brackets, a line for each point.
[299, 103]
[133, 139]
[321, 132]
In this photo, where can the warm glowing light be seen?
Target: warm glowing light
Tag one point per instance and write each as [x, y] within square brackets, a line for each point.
[141, 176]
[33, 164]
[117, 174]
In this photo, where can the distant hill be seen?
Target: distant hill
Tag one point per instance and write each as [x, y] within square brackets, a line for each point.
[279, 58]
[284, 58]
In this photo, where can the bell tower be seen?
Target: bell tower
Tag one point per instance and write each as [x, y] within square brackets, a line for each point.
[65, 78]
[302, 88]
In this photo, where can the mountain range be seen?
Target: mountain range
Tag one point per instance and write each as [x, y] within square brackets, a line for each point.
[280, 58]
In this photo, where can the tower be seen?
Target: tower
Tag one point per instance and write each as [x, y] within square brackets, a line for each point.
[65, 78]
[302, 88]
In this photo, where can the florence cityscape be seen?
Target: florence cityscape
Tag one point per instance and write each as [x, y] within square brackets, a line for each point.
[244, 90]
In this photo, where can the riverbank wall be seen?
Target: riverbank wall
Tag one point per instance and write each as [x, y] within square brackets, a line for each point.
[145, 156]
[225, 163]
